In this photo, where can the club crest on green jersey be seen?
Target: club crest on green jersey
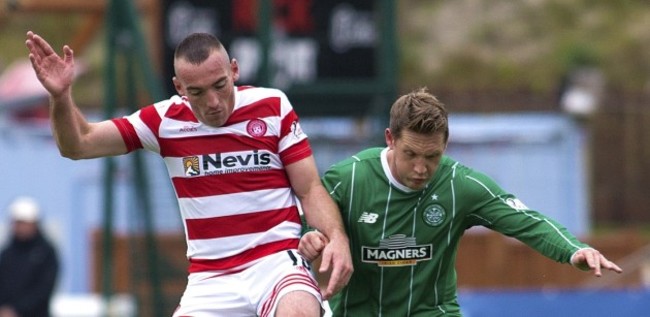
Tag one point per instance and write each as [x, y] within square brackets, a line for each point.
[434, 215]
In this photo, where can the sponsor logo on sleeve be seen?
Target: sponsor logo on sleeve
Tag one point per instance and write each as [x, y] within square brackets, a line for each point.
[296, 130]
[516, 204]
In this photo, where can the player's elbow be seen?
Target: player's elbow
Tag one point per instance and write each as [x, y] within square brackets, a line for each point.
[73, 155]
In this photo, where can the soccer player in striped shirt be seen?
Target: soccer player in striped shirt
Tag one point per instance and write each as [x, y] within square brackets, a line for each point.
[405, 208]
[239, 164]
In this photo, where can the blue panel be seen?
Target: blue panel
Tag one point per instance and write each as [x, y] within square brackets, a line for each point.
[70, 194]
[608, 303]
[538, 157]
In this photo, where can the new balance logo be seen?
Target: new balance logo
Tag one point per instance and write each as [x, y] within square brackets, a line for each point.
[368, 217]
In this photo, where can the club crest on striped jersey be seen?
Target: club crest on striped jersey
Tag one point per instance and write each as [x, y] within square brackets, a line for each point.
[397, 250]
[191, 166]
[256, 127]
[434, 215]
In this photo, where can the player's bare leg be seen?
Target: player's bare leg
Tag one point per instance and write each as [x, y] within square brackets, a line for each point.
[298, 304]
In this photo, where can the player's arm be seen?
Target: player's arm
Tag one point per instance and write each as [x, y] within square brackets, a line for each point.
[79, 139]
[322, 213]
[75, 136]
[551, 239]
[505, 213]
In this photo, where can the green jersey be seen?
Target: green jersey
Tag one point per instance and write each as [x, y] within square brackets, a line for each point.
[404, 242]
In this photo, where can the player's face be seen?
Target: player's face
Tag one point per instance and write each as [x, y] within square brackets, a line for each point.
[209, 87]
[414, 158]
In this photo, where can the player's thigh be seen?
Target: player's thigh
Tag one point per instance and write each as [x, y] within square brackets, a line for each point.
[298, 303]
[287, 280]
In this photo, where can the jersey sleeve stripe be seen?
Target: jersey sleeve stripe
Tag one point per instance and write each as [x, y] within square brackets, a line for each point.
[217, 227]
[287, 123]
[150, 117]
[128, 133]
[296, 153]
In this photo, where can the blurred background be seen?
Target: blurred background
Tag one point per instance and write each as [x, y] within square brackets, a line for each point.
[549, 97]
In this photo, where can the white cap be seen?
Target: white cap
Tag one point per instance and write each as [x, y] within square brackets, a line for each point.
[24, 209]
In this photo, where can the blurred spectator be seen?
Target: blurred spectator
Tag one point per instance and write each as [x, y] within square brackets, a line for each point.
[28, 264]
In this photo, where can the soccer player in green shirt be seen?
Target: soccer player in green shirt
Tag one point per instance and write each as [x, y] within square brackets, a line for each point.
[405, 209]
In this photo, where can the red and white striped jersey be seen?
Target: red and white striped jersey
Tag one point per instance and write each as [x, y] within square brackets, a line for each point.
[234, 195]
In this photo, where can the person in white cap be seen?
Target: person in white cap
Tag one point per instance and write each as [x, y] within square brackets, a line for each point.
[29, 264]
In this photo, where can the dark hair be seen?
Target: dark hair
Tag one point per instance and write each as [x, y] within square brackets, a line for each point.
[420, 112]
[196, 47]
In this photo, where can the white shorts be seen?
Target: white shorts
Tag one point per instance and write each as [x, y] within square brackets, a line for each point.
[254, 291]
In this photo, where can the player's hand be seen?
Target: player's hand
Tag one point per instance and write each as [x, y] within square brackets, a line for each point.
[312, 244]
[338, 261]
[591, 259]
[55, 73]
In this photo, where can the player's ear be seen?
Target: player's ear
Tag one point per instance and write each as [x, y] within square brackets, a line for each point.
[390, 140]
[234, 69]
[178, 86]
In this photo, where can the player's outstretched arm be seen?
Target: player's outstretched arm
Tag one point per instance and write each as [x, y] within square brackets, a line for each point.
[75, 137]
[590, 259]
[322, 213]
